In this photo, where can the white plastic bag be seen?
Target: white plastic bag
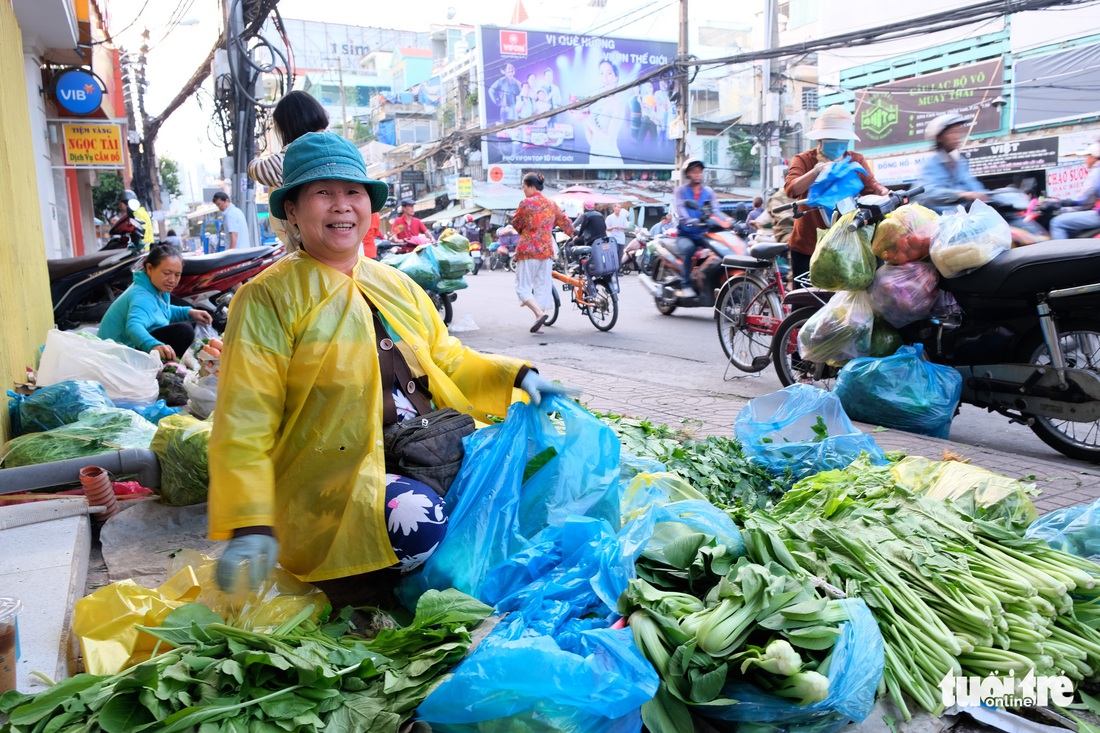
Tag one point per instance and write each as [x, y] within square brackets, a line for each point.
[127, 375]
[966, 240]
[840, 331]
[202, 393]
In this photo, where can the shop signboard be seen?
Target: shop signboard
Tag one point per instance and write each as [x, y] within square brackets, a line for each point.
[96, 145]
[1065, 181]
[894, 169]
[465, 187]
[529, 72]
[898, 113]
[1013, 156]
[77, 92]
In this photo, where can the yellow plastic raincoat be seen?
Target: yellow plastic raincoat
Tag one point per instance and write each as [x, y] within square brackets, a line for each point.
[297, 436]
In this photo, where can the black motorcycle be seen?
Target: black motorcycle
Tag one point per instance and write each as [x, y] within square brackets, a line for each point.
[1025, 336]
[83, 288]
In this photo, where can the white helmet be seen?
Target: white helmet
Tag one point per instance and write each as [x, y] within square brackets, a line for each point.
[937, 126]
[691, 162]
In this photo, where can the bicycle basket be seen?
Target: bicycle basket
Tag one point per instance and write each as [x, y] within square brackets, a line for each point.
[604, 258]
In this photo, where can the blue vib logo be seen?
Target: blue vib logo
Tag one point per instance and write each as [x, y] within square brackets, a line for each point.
[78, 92]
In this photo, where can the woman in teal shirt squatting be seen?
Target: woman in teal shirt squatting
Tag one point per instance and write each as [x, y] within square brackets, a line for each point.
[144, 318]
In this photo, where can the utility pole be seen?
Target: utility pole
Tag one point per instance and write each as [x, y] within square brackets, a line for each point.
[684, 105]
[244, 81]
[343, 102]
[771, 28]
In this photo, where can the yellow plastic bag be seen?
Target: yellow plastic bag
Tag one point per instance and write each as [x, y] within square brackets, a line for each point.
[976, 491]
[106, 621]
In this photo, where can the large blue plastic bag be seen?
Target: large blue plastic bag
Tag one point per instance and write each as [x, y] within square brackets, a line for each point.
[58, 404]
[802, 429]
[902, 391]
[854, 674]
[494, 514]
[552, 663]
[840, 180]
[1075, 530]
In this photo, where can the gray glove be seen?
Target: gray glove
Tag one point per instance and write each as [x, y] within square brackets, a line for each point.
[259, 550]
[537, 387]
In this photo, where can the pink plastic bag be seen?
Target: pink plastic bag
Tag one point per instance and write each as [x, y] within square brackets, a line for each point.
[903, 294]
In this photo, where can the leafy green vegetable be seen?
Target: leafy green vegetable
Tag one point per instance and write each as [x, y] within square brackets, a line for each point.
[181, 447]
[221, 678]
[99, 430]
[714, 465]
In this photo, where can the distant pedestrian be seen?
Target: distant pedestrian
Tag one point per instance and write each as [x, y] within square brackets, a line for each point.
[757, 209]
[234, 223]
[535, 220]
[617, 223]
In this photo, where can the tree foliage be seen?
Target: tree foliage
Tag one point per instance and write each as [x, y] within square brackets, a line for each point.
[169, 176]
[105, 193]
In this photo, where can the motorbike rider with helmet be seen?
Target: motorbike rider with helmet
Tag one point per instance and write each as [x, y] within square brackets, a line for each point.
[590, 225]
[689, 229]
[1075, 223]
[946, 176]
[130, 207]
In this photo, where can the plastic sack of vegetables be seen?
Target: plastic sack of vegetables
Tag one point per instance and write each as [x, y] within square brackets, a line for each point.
[99, 430]
[126, 374]
[855, 669]
[802, 429]
[450, 263]
[421, 269]
[966, 240]
[1075, 530]
[903, 294]
[905, 235]
[496, 504]
[202, 394]
[455, 242]
[181, 447]
[902, 391]
[843, 259]
[975, 491]
[552, 663]
[58, 404]
[840, 331]
[885, 339]
[449, 286]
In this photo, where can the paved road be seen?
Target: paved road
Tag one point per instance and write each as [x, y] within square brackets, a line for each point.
[680, 351]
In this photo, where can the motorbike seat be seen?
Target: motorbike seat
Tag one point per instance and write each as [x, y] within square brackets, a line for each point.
[66, 266]
[768, 250]
[207, 263]
[575, 254]
[741, 262]
[1035, 269]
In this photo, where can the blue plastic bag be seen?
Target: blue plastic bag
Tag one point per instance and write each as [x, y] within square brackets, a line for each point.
[854, 675]
[58, 404]
[803, 429]
[902, 391]
[552, 663]
[494, 514]
[839, 181]
[154, 413]
[1075, 530]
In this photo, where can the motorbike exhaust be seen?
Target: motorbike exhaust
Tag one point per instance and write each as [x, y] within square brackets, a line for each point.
[655, 288]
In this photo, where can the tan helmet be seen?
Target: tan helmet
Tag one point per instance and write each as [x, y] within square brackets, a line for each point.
[834, 123]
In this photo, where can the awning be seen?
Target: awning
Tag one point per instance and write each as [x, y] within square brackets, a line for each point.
[454, 212]
[427, 202]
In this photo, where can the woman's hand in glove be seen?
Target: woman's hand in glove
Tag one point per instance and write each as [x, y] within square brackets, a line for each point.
[537, 387]
[260, 550]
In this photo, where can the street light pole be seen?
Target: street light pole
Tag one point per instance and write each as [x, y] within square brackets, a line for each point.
[343, 103]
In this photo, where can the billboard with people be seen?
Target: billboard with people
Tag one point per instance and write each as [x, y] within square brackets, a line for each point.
[527, 73]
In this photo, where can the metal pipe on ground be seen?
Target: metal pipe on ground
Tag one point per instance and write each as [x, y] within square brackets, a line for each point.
[59, 473]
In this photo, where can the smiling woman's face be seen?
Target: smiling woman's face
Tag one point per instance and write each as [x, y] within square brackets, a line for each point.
[333, 217]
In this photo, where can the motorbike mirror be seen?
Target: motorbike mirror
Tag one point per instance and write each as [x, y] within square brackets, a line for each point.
[133, 204]
[693, 205]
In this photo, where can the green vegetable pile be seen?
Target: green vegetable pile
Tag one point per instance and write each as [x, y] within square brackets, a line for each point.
[99, 430]
[703, 617]
[950, 592]
[299, 677]
[181, 444]
[714, 465]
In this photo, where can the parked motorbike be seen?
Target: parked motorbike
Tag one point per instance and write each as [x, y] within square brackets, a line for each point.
[634, 254]
[503, 258]
[209, 281]
[83, 288]
[475, 252]
[1025, 337]
[662, 279]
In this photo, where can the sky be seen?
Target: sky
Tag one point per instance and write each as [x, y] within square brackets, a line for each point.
[177, 48]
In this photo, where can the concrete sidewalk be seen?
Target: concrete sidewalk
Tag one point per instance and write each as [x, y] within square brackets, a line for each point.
[713, 413]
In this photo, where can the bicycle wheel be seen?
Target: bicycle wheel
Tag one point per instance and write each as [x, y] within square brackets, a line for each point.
[604, 310]
[749, 312]
[790, 367]
[557, 305]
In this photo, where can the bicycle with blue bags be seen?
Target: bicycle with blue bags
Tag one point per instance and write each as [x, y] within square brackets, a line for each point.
[591, 277]
[1025, 336]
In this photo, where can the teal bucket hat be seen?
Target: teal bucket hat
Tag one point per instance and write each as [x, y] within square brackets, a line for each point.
[319, 156]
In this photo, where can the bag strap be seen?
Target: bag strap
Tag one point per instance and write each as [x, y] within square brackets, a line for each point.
[395, 371]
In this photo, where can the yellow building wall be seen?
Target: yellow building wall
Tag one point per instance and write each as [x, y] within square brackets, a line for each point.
[25, 309]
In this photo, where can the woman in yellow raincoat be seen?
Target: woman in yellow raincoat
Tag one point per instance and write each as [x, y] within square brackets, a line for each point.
[297, 470]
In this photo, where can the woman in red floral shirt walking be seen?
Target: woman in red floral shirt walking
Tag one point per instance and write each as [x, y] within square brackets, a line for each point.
[535, 219]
